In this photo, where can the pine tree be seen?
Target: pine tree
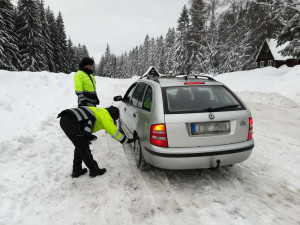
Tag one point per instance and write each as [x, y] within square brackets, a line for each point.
[85, 52]
[47, 44]
[99, 68]
[107, 62]
[145, 54]
[211, 37]
[8, 46]
[169, 50]
[61, 45]
[53, 34]
[197, 39]
[182, 52]
[30, 39]
[291, 33]
[71, 57]
[235, 36]
[160, 52]
[152, 55]
[290, 12]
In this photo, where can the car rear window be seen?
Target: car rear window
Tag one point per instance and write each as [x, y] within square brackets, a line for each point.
[200, 98]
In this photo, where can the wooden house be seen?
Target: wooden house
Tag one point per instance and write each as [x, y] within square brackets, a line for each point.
[269, 55]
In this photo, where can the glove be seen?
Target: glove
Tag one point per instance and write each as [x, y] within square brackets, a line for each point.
[130, 140]
[88, 136]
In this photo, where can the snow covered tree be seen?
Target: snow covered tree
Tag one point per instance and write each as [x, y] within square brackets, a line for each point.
[53, 33]
[47, 45]
[8, 42]
[108, 65]
[197, 40]
[99, 67]
[30, 39]
[151, 53]
[169, 50]
[84, 51]
[182, 51]
[61, 45]
[235, 35]
[160, 52]
[71, 57]
[291, 33]
[144, 54]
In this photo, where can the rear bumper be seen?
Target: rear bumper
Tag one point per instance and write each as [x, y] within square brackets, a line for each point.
[198, 157]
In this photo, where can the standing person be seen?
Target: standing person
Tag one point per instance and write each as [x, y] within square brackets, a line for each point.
[85, 85]
[79, 124]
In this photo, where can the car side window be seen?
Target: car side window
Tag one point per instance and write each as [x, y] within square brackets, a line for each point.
[138, 94]
[129, 93]
[147, 103]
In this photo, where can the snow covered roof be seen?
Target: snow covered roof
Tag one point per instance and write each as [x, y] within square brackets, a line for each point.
[272, 43]
[151, 71]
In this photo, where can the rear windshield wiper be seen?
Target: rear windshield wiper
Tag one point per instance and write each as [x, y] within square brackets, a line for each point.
[222, 107]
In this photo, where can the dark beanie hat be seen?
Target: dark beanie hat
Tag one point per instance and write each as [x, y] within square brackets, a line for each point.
[114, 112]
[86, 61]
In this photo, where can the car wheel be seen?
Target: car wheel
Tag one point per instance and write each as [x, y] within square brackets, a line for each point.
[139, 158]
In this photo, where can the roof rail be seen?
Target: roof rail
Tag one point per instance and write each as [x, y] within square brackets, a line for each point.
[199, 76]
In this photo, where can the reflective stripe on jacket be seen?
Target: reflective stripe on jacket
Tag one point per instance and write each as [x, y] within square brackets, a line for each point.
[84, 89]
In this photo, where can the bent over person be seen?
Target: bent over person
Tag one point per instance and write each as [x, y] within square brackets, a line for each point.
[79, 124]
[85, 84]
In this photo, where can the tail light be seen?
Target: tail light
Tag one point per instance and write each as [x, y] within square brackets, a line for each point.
[158, 135]
[250, 133]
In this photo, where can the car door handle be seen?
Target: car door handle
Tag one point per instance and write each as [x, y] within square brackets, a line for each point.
[134, 115]
[124, 109]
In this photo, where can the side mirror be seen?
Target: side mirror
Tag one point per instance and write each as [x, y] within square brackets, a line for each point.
[118, 98]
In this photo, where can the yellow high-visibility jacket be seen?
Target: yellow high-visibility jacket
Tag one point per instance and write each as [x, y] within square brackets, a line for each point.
[85, 89]
[96, 119]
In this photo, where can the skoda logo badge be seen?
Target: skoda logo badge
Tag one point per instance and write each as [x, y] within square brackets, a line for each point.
[211, 116]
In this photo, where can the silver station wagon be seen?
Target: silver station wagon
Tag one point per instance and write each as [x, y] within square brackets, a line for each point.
[185, 122]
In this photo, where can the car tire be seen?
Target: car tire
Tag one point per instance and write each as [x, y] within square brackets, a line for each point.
[120, 127]
[139, 158]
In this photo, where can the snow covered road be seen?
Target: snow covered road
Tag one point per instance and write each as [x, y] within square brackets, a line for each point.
[36, 187]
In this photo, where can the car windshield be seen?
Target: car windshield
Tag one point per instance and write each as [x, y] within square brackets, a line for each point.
[200, 98]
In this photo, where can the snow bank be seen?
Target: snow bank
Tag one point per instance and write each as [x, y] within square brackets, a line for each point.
[283, 81]
[28, 100]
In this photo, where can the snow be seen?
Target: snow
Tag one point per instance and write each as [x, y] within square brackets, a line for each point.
[36, 160]
[272, 43]
[284, 81]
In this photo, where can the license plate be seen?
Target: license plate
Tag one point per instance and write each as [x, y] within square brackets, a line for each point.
[210, 128]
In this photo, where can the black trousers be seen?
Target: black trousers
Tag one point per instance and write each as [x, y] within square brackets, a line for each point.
[82, 150]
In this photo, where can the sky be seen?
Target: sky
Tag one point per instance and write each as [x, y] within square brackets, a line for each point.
[122, 24]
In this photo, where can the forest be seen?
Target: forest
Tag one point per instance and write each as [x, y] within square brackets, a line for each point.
[33, 39]
[214, 36]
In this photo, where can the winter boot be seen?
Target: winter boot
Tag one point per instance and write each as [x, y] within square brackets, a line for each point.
[99, 172]
[76, 174]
